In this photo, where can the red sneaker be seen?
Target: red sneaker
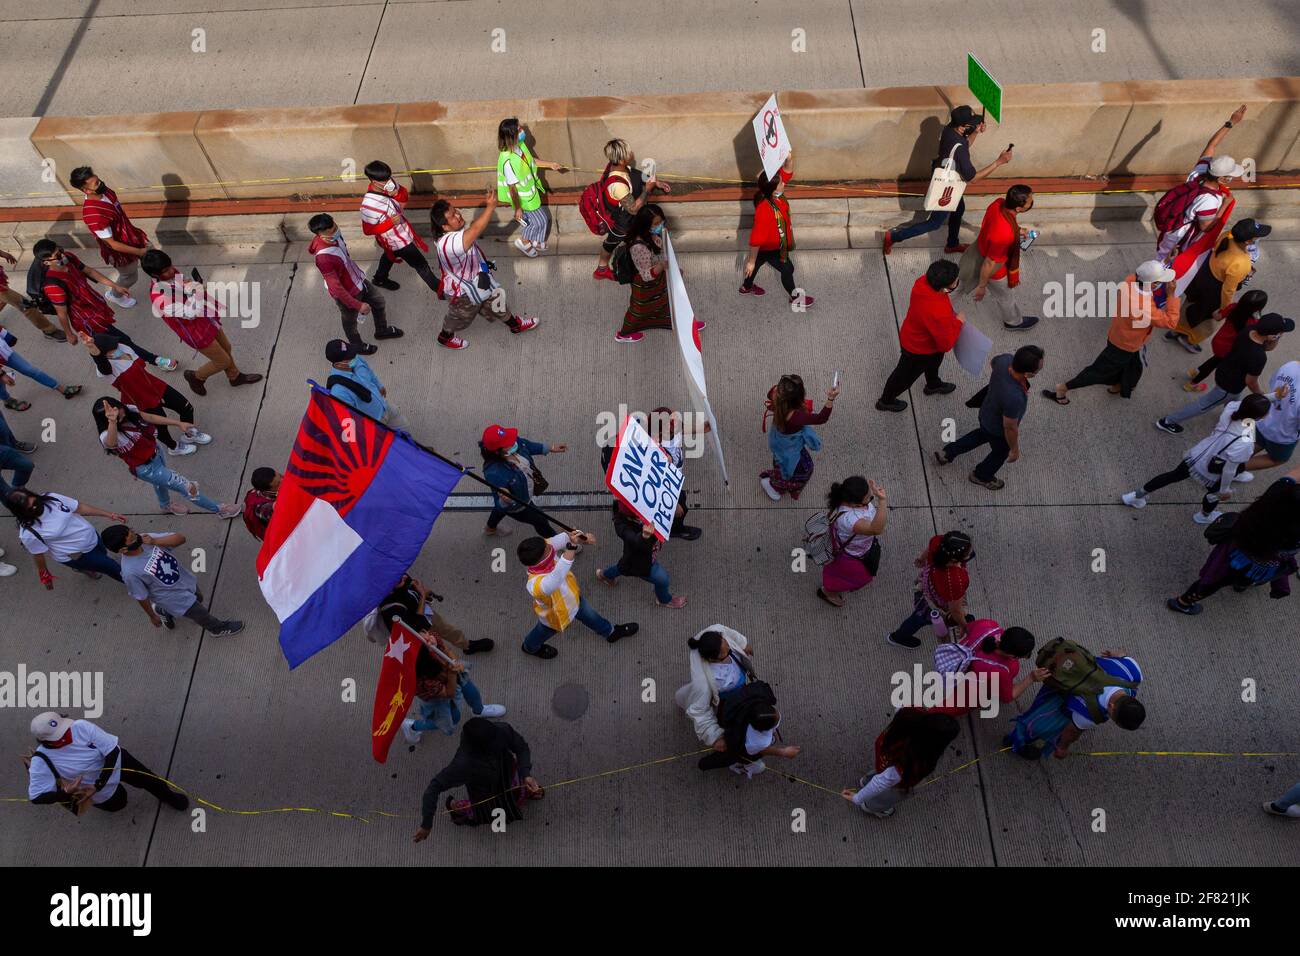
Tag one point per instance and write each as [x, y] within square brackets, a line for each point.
[753, 290]
[452, 342]
[957, 249]
[803, 303]
[889, 241]
[604, 272]
[524, 324]
[634, 337]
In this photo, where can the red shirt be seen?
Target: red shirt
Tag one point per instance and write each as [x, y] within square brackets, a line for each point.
[188, 312]
[764, 232]
[104, 213]
[137, 387]
[1226, 337]
[996, 236]
[930, 325]
[87, 310]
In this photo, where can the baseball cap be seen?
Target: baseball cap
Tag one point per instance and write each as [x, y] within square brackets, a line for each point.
[495, 437]
[1225, 166]
[1153, 270]
[1271, 323]
[965, 116]
[50, 726]
[1248, 229]
[337, 350]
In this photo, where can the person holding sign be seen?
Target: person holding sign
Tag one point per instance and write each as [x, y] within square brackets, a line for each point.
[640, 556]
[771, 238]
[956, 140]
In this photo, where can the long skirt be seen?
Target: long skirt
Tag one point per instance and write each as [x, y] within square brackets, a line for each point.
[648, 307]
[847, 572]
[794, 484]
[1044, 720]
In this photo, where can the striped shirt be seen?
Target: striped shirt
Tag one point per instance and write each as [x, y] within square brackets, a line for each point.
[87, 310]
[378, 208]
[555, 593]
[1123, 667]
[187, 309]
[106, 219]
[460, 266]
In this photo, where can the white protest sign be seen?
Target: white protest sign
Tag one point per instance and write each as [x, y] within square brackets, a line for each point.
[769, 132]
[643, 477]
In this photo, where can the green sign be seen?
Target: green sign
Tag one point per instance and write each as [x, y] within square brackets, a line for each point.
[986, 89]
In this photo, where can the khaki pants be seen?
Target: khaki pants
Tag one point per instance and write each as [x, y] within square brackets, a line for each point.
[462, 311]
[127, 274]
[446, 630]
[34, 315]
[1000, 301]
[220, 358]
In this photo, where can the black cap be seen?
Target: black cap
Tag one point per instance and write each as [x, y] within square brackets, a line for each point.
[1271, 323]
[1248, 229]
[336, 350]
[105, 342]
[965, 116]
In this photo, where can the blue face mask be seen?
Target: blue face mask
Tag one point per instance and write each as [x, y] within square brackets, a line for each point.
[657, 230]
[512, 449]
[522, 136]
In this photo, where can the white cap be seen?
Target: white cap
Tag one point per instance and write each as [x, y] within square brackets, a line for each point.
[1225, 166]
[50, 726]
[1153, 270]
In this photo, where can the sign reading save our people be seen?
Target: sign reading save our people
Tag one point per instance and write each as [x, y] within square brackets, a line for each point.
[643, 477]
[986, 89]
[769, 133]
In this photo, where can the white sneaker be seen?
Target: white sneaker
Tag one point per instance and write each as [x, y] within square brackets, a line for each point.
[197, 437]
[767, 487]
[121, 301]
[7, 570]
[1201, 518]
[1292, 811]
[1244, 476]
[409, 732]
[177, 508]
[182, 449]
[493, 710]
[754, 769]
[1134, 500]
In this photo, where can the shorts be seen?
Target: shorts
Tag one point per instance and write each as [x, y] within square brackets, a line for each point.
[1276, 450]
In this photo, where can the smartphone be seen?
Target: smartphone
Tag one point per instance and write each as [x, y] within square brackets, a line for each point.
[1028, 241]
[1011, 145]
[194, 274]
[835, 379]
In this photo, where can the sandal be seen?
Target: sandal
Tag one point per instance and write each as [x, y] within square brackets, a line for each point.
[1194, 386]
[70, 391]
[17, 405]
[826, 597]
[1059, 399]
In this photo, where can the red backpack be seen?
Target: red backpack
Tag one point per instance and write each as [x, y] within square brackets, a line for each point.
[593, 208]
[1171, 208]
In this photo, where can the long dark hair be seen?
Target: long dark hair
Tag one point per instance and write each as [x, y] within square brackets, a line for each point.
[1271, 523]
[766, 187]
[787, 396]
[914, 741]
[1248, 307]
[129, 417]
[507, 133]
[27, 515]
[639, 230]
[850, 491]
[709, 644]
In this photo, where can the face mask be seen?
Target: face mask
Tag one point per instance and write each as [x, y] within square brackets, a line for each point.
[657, 230]
[337, 238]
[390, 187]
[512, 449]
[522, 136]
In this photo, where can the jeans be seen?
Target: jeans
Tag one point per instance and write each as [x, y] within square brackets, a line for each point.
[98, 560]
[658, 576]
[155, 472]
[24, 367]
[588, 615]
[920, 617]
[526, 515]
[371, 297]
[997, 456]
[14, 460]
[935, 220]
[910, 367]
[1289, 799]
[441, 713]
[413, 257]
[1215, 396]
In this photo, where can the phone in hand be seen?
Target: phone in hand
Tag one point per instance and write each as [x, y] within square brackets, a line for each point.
[835, 379]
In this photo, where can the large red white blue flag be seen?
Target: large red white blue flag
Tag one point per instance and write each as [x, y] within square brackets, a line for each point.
[355, 506]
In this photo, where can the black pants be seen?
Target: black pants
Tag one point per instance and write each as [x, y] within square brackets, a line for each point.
[910, 367]
[177, 403]
[149, 357]
[772, 257]
[1206, 368]
[612, 239]
[137, 775]
[413, 257]
[1113, 366]
[371, 297]
[716, 761]
[1182, 473]
[679, 521]
[526, 515]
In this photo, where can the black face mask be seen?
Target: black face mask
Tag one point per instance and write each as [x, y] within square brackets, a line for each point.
[99, 190]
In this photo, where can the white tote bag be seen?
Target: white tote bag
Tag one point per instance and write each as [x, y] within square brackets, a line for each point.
[946, 186]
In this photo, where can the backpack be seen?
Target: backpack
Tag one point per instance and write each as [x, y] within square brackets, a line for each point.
[36, 282]
[591, 205]
[819, 541]
[620, 263]
[955, 656]
[734, 709]
[1075, 671]
[1220, 529]
[1171, 208]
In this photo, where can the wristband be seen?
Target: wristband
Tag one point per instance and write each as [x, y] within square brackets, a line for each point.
[45, 575]
[1228, 125]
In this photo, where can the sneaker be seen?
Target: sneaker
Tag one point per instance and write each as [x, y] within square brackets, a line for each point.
[26, 447]
[753, 290]
[1172, 428]
[678, 602]
[898, 641]
[1293, 811]
[228, 629]
[366, 348]
[801, 303]
[176, 508]
[7, 570]
[166, 364]
[388, 284]
[545, 652]
[70, 391]
[604, 272]
[412, 735]
[897, 405]
[197, 437]
[625, 339]
[1189, 609]
[177, 801]
[957, 249]
[941, 459]
[887, 244]
[229, 511]
[194, 382]
[1245, 476]
[182, 449]
[56, 335]
[525, 324]
[493, 710]
[121, 301]
[687, 532]
[1026, 322]
[766, 485]
[943, 388]
[600, 576]
[752, 770]
[169, 622]
[480, 646]
[1133, 499]
[392, 332]
[993, 484]
[454, 342]
[1200, 517]
[621, 631]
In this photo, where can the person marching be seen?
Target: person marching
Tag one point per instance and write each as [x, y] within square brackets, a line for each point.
[941, 586]
[1202, 202]
[259, 502]
[1216, 283]
[10, 358]
[352, 292]
[508, 464]
[382, 217]
[995, 255]
[640, 556]
[667, 428]
[1237, 317]
[55, 525]
[519, 185]
[121, 243]
[470, 287]
[196, 320]
[720, 663]
[907, 751]
[15, 298]
[771, 237]
[929, 331]
[791, 437]
[623, 192]
[648, 306]
[857, 511]
[441, 683]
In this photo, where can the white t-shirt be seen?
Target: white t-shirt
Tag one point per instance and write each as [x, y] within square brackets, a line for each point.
[83, 757]
[756, 741]
[60, 531]
[727, 675]
[1282, 423]
[1204, 207]
[850, 543]
[673, 449]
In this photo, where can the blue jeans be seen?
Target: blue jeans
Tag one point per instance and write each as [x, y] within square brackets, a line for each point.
[1290, 798]
[155, 472]
[588, 615]
[936, 219]
[24, 367]
[97, 560]
[987, 469]
[919, 618]
[1197, 406]
[12, 459]
[658, 576]
[441, 713]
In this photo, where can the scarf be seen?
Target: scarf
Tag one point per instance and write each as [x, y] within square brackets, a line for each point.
[1013, 254]
[782, 229]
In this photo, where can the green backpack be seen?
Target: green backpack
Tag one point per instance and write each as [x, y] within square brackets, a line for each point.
[1075, 671]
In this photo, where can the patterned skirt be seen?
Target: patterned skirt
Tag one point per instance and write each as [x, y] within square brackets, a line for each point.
[648, 308]
[803, 473]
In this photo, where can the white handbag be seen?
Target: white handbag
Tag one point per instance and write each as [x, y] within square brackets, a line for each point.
[946, 186]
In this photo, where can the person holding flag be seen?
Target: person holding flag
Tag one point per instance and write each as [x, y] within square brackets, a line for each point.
[1191, 209]
[441, 682]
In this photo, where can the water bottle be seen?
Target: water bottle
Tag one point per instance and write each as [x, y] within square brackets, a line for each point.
[1028, 241]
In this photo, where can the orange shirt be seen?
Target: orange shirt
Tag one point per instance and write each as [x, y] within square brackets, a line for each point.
[1136, 316]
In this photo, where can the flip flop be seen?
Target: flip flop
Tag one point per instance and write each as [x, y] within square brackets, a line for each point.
[1059, 399]
[17, 405]
[823, 595]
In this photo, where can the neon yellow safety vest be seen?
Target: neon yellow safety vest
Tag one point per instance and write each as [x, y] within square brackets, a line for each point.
[529, 186]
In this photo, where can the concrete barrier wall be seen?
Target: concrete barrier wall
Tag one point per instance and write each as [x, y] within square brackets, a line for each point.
[1074, 129]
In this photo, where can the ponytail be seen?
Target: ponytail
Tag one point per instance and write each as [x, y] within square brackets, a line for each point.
[849, 491]
[709, 644]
